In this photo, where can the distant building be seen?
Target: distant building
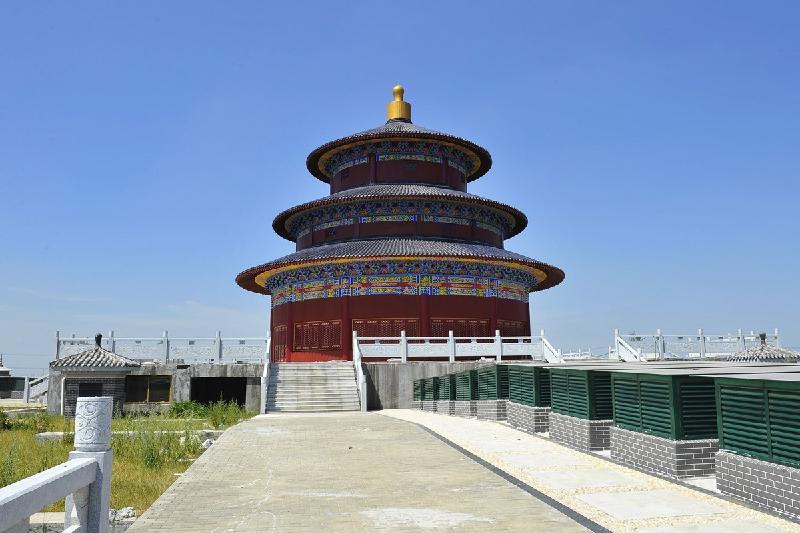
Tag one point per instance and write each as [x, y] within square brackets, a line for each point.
[399, 245]
[764, 353]
[148, 386]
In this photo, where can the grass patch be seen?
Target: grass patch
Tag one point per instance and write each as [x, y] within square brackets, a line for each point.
[144, 464]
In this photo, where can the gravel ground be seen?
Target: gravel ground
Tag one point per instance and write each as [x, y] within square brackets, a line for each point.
[557, 471]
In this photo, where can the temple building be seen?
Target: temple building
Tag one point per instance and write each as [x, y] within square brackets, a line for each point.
[398, 245]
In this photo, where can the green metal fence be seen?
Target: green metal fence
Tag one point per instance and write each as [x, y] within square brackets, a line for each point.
[417, 390]
[529, 385]
[430, 387]
[493, 382]
[581, 393]
[760, 418]
[677, 407]
[447, 387]
[467, 385]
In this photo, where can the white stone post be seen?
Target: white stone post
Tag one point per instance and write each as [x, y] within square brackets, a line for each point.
[659, 345]
[498, 344]
[777, 339]
[165, 341]
[87, 509]
[58, 343]
[702, 343]
[616, 344]
[112, 342]
[451, 346]
[218, 340]
[26, 394]
[403, 347]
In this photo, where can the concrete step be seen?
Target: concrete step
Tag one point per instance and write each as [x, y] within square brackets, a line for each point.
[312, 387]
[309, 410]
[314, 394]
[313, 404]
[309, 366]
[350, 372]
[320, 397]
[299, 383]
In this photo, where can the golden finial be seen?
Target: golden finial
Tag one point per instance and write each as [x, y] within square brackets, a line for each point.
[397, 109]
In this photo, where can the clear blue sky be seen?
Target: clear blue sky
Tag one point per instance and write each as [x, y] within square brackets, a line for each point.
[145, 148]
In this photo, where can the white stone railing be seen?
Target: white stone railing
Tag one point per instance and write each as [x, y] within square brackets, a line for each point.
[454, 348]
[265, 381]
[649, 347]
[85, 479]
[217, 349]
[36, 389]
[361, 379]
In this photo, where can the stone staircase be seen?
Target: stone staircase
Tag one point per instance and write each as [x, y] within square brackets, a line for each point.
[312, 387]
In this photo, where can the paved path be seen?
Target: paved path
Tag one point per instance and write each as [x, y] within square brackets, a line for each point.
[342, 473]
[616, 497]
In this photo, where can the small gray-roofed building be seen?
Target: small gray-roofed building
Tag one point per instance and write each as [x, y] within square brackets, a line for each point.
[765, 353]
[92, 372]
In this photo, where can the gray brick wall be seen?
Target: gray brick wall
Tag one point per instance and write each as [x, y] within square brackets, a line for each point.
[491, 409]
[465, 409]
[429, 405]
[582, 434]
[769, 485]
[528, 418]
[444, 407]
[675, 458]
[112, 386]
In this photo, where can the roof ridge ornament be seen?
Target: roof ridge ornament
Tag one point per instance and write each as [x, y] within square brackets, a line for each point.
[398, 109]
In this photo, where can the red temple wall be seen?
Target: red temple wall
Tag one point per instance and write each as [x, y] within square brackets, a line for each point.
[405, 229]
[321, 329]
[398, 172]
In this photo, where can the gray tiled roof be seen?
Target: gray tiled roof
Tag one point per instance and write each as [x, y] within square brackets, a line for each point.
[764, 353]
[400, 190]
[403, 130]
[94, 357]
[400, 247]
[389, 247]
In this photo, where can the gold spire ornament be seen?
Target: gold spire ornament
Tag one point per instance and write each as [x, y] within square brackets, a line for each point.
[397, 109]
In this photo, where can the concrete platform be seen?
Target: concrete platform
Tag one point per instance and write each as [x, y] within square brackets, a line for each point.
[614, 496]
[652, 504]
[342, 472]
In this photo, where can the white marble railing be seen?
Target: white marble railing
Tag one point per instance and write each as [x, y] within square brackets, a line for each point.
[85, 479]
[454, 348]
[217, 349]
[649, 347]
[361, 379]
[265, 381]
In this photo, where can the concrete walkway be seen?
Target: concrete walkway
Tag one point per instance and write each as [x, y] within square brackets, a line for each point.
[616, 497]
[342, 472]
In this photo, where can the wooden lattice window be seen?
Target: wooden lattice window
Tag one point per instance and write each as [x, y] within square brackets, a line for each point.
[318, 335]
[511, 328]
[386, 327]
[279, 343]
[461, 327]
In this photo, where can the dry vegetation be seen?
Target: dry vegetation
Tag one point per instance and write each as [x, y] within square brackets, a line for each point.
[145, 463]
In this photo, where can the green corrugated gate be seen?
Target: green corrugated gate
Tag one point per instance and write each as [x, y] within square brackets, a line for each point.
[417, 390]
[447, 387]
[467, 385]
[674, 407]
[581, 393]
[493, 382]
[760, 419]
[529, 385]
[430, 387]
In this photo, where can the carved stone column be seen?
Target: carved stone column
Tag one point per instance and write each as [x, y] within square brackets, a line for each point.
[88, 508]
